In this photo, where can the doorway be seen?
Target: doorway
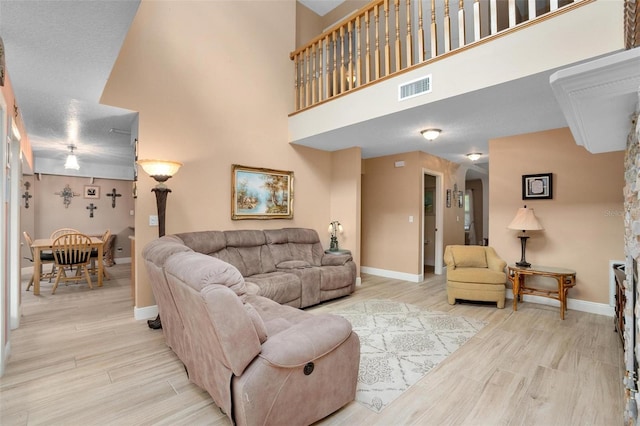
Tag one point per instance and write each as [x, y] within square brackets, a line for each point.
[432, 222]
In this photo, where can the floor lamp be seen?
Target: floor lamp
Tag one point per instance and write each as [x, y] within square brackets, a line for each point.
[525, 220]
[161, 171]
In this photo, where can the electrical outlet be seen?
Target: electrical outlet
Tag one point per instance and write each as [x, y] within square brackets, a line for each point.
[153, 220]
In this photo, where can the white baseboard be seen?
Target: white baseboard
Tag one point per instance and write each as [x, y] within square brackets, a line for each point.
[575, 304]
[416, 278]
[148, 312]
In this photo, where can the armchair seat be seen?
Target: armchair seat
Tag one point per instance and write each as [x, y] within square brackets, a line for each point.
[475, 273]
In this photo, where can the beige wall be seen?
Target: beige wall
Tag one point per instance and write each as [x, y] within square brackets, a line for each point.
[47, 212]
[213, 84]
[389, 196]
[583, 223]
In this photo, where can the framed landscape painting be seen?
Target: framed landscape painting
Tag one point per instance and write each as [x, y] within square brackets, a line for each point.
[258, 193]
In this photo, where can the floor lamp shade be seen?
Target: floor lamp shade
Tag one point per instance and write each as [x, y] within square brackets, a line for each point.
[525, 220]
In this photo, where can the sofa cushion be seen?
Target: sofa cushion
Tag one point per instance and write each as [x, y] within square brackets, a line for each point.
[206, 242]
[469, 256]
[280, 287]
[476, 275]
[334, 277]
[293, 264]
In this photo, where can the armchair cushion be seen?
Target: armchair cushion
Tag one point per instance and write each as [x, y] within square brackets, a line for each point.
[469, 256]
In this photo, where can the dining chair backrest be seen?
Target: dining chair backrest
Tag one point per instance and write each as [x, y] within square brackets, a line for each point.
[29, 241]
[72, 249]
[62, 231]
[106, 235]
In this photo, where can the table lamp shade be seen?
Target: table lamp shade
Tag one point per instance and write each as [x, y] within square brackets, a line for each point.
[525, 220]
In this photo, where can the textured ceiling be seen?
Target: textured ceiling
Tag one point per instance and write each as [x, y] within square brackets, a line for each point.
[59, 55]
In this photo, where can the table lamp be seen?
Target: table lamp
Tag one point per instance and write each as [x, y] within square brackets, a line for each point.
[525, 220]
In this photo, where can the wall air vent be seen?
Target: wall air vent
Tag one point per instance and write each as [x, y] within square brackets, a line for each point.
[414, 88]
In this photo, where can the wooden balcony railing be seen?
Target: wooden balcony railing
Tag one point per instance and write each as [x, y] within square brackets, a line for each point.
[389, 36]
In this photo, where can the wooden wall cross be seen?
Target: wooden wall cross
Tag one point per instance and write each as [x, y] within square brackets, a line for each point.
[91, 207]
[26, 195]
[113, 196]
[67, 194]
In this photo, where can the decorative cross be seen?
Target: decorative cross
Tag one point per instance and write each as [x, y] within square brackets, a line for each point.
[26, 195]
[67, 194]
[113, 196]
[91, 207]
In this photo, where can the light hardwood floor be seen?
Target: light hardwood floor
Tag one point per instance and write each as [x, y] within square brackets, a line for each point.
[79, 358]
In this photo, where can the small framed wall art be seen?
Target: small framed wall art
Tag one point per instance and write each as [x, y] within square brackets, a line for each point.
[91, 191]
[538, 186]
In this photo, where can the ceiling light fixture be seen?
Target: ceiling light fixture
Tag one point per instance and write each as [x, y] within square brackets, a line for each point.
[474, 156]
[431, 134]
[72, 160]
[119, 131]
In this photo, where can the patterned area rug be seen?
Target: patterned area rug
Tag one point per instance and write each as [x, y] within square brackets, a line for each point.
[400, 344]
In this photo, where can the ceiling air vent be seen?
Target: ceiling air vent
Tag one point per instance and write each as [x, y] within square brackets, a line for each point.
[414, 88]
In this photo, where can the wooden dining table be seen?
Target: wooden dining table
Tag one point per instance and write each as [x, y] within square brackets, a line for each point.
[43, 244]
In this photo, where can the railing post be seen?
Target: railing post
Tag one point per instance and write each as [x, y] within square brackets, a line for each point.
[342, 76]
[367, 56]
[296, 100]
[327, 74]
[476, 20]
[493, 12]
[358, 53]
[398, 47]
[532, 9]
[512, 13]
[334, 87]
[350, 56]
[313, 74]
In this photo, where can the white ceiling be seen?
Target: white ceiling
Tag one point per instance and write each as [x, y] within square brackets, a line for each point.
[60, 54]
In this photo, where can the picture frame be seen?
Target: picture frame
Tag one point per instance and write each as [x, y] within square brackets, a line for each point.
[260, 193]
[537, 186]
[91, 191]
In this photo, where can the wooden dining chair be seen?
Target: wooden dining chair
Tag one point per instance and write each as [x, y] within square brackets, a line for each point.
[45, 257]
[94, 254]
[62, 231]
[71, 250]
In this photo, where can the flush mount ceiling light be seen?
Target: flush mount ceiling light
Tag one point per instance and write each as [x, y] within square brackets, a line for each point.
[474, 156]
[431, 134]
[72, 160]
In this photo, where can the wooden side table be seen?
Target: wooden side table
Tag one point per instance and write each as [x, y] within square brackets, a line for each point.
[566, 279]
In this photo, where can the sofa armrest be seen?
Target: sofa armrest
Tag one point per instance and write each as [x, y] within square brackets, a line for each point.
[335, 259]
[306, 341]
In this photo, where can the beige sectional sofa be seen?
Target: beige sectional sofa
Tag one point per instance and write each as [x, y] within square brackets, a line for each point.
[288, 265]
[261, 361]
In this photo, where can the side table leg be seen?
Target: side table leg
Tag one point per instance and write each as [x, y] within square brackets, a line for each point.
[516, 290]
[562, 295]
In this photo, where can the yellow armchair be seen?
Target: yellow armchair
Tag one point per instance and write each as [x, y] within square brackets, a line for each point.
[475, 273]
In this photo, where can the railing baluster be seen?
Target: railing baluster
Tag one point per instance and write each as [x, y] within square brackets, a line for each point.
[313, 74]
[476, 20]
[387, 47]
[377, 53]
[461, 30]
[358, 39]
[409, 32]
[350, 49]
[553, 5]
[307, 94]
[434, 34]
[367, 56]
[421, 53]
[447, 27]
[398, 47]
[342, 76]
[532, 9]
[327, 60]
[296, 91]
[493, 11]
[334, 88]
[512, 13]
